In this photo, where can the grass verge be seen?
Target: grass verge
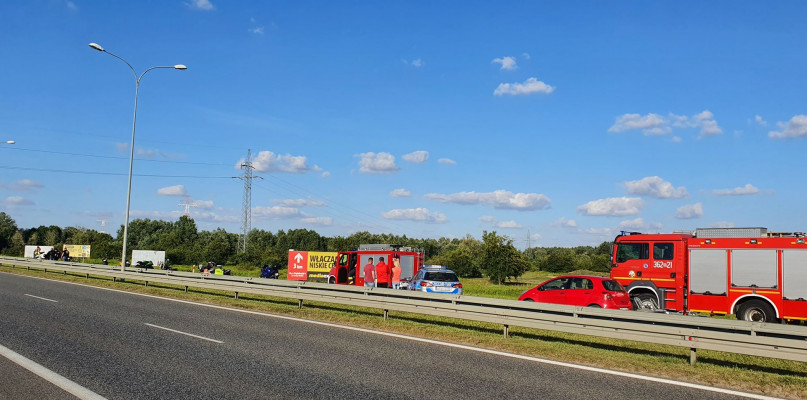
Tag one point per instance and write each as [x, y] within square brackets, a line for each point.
[771, 377]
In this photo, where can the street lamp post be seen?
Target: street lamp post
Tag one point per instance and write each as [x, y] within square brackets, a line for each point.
[98, 47]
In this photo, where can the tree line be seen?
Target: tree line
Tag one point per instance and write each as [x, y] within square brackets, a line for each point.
[494, 256]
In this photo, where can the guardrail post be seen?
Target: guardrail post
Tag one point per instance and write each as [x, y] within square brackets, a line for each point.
[88, 276]
[693, 356]
[147, 283]
[300, 304]
[506, 331]
[186, 288]
[236, 295]
[386, 314]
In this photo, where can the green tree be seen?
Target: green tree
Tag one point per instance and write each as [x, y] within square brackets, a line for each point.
[501, 260]
[559, 260]
[17, 248]
[8, 227]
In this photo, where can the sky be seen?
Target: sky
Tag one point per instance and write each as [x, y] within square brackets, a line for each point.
[555, 123]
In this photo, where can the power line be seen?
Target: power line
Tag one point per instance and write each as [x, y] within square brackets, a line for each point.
[116, 157]
[113, 173]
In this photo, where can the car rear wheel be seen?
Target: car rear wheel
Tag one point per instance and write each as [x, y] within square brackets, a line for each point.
[756, 311]
[645, 302]
[595, 306]
[528, 299]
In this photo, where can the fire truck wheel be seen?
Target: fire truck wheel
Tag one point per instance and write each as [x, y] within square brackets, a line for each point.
[645, 302]
[332, 280]
[756, 311]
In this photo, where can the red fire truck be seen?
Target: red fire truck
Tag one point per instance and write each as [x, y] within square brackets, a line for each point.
[347, 269]
[755, 274]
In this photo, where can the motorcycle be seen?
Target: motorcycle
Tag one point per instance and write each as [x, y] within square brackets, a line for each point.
[147, 264]
[269, 272]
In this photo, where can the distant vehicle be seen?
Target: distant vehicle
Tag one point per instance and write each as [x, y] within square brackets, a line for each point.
[435, 279]
[580, 290]
[349, 266]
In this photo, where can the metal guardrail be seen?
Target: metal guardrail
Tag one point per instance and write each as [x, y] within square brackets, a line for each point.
[740, 337]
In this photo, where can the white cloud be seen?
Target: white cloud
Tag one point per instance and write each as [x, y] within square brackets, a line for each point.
[205, 5]
[501, 199]
[796, 127]
[637, 223]
[525, 55]
[203, 204]
[654, 186]
[416, 214]
[257, 31]
[654, 124]
[447, 161]
[690, 211]
[650, 124]
[268, 161]
[530, 86]
[500, 224]
[276, 212]
[176, 190]
[18, 201]
[377, 163]
[417, 157]
[738, 191]
[758, 119]
[24, 185]
[317, 221]
[400, 193]
[299, 203]
[417, 63]
[565, 223]
[615, 207]
[508, 63]
[326, 174]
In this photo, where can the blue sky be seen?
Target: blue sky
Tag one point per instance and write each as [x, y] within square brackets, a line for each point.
[561, 122]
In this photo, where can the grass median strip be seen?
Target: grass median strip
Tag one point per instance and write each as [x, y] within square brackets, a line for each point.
[754, 374]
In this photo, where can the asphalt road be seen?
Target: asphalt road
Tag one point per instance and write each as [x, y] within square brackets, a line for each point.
[126, 346]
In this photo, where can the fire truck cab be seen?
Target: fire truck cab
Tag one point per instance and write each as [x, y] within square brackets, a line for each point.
[756, 275]
[347, 269]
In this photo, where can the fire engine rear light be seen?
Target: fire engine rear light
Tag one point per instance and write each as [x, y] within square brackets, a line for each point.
[458, 285]
[426, 284]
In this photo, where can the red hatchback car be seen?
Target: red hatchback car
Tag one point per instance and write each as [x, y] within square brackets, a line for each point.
[580, 290]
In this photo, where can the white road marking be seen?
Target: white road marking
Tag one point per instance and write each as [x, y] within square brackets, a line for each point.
[185, 333]
[66, 384]
[40, 298]
[447, 344]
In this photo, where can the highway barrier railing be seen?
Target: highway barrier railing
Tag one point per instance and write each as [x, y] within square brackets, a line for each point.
[780, 341]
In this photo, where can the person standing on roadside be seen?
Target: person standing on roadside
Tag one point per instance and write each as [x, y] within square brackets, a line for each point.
[396, 272]
[369, 273]
[382, 273]
[65, 255]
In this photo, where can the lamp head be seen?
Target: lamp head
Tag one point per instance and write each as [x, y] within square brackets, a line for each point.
[10, 142]
[180, 67]
[97, 46]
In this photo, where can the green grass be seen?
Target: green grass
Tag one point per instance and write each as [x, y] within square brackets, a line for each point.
[739, 372]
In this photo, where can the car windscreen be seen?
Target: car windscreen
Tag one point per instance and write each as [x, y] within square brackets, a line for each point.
[612, 286]
[441, 277]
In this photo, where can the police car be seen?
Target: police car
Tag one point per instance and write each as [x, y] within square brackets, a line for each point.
[436, 279]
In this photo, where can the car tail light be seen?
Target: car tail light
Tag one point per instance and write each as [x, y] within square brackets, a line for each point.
[426, 284]
[458, 285]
